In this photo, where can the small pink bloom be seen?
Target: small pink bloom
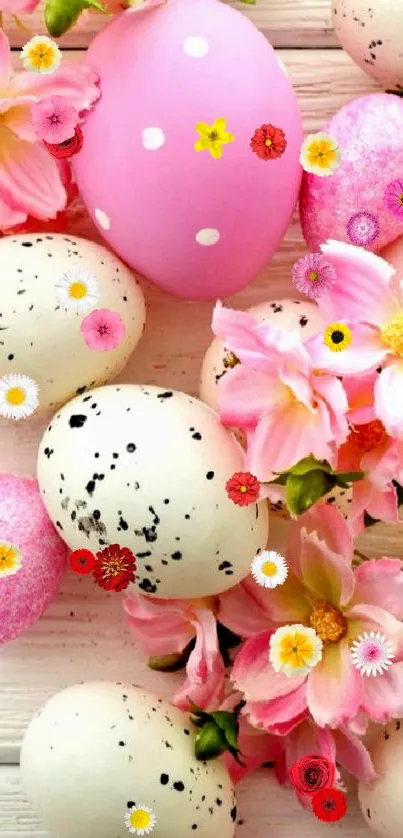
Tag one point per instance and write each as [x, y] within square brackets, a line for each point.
[54, 119]
[103, 330]
[393, 198]
[313, 275]
[363, 228]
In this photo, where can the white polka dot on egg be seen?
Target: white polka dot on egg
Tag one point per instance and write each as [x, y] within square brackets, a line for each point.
[103, 219]
[196, 46]
[153, 138]
[207, 237]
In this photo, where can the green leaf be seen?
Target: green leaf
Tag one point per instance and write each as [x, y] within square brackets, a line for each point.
[210, 742]
[309, 464]
[61, 15]
[304, 490]
[349, 476]
[228, 723]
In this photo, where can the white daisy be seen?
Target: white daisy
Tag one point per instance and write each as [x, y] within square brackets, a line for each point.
[18, 396]
[77, 290]
[372, 653]
[10, 559]
[140, 820]
[295, 650]
[269, 569]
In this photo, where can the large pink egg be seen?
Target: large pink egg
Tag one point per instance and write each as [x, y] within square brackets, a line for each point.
[32, 556]
[197, 226]
[369, 132]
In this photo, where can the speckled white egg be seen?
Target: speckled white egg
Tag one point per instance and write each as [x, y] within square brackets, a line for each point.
[371, 33]
[97, 749]
[289, 314]
[146, 468]
[382, 802]
[43, 305]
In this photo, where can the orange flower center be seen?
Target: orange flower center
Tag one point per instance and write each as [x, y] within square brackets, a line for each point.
[400, 200]
[367, 437]
[268, 142]
[328, 622]
[313, 276]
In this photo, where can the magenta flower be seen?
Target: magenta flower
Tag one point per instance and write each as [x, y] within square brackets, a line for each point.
[54, 119]
[324, 592]
[313, 275]
[103, 330]
[363, 228]
[393, 198]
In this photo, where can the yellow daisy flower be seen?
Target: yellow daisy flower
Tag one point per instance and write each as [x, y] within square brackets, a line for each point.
[140, 820]
[212, 137]
[10, 559]
[41, 55]
[320, 154]
[337, 337]
[295, 650]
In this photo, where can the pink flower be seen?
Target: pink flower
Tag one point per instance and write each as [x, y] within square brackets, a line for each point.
[321, 591]
[363, 228]
[103, 330]
[30, 179]
[288, 411]
[313, 275]
[393, 198]
[54, 119]
[19, 7]
[368, 294]
[165, 626]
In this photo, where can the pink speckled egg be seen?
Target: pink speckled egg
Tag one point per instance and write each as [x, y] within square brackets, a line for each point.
[32, 556]
[199, 223]
[369, 131]
[371, 33]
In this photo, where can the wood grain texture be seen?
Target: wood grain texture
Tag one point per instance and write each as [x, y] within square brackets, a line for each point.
[286, 23]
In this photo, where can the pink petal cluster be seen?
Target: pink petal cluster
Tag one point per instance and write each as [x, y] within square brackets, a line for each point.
[334, 694]
[19, 7]
[31, 180]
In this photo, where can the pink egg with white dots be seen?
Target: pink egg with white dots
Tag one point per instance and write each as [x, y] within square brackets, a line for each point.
[190, 163]
[33, 557]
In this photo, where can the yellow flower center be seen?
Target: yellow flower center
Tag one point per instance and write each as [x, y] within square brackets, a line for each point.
[140, 819]
[392, 334]
[269, 569]
[313, 276]
[268, 142]
[77, 290]
[328, 622]
[400, 200]
[243, 488]
[15, 395]
[296, 649]
[213, 136]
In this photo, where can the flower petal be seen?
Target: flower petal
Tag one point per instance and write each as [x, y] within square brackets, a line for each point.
[365, 352]
[245, 394]
[327, 575]
[383, 695]
[29, 177]
[334, 690]
[253, 674]
[330, 526]
[76, 82]
[256, 746]
[243, 609]
[205, 669]
[19, 7]
[380, 582]
[389, 398]
[288, 603]
[6, 67]
[10, 217]
[278, 711]
[162, 626]
[18, 119]
[365, 617]
[353, 755]
[362, 291]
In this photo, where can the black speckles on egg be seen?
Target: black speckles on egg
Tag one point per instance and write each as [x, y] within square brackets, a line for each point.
[233, 814]
[167, 395]
[90, 487]
[303, 321]
[147, 586]
[122, 744]
[209, 476]
[369, 814]
[164, 779]
[10, 357]
[179, 786]
[27, 244]
[177, 555]
[123, 524]
[48, 452]
[78, 420]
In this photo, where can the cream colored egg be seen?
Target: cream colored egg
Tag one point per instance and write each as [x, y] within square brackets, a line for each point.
[97, 749]
[51, 287]
[371, 33]
[382, 801]
[147, 468]
[290, 314]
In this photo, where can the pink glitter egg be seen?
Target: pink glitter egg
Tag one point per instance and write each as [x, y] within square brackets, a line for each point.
[197, 224]
[349, 205]
[33, 557]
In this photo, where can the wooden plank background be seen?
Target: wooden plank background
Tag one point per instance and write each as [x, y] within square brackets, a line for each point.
[82, 635]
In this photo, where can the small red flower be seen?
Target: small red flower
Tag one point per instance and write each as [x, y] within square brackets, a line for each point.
[329, 805]
[243, 488]
[268, 142]
[312, 773]
[69, 148]
[82, 561]
[114, 568]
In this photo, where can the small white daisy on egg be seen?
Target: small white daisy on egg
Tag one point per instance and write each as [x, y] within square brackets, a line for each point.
[77, 290]
[10, 559]
[269, 569]
[140, 820]
[18, 396]
[372, 653]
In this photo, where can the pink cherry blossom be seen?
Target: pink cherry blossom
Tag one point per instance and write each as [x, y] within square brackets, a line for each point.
[54, 119]
[103, 330]
[30, 178]
[323, 591]
[165, 626]
[274, 393]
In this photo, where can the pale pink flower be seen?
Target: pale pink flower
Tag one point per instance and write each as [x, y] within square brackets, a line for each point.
[324, 592]
[54, 119]
[19, 7]
[287, 410]
[313, 275]
[393, 198]
[363, 228]
[166, 626]
[103, 330]
[369, 295]
[30, 178]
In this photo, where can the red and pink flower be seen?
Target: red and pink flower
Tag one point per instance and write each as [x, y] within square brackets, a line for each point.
[329, 805]
[311, 773]
[243, 488]
[114, 568]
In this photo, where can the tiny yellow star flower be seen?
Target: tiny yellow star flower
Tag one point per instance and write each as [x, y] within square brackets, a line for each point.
[41, 55]
[320, 155]
[212, 137]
